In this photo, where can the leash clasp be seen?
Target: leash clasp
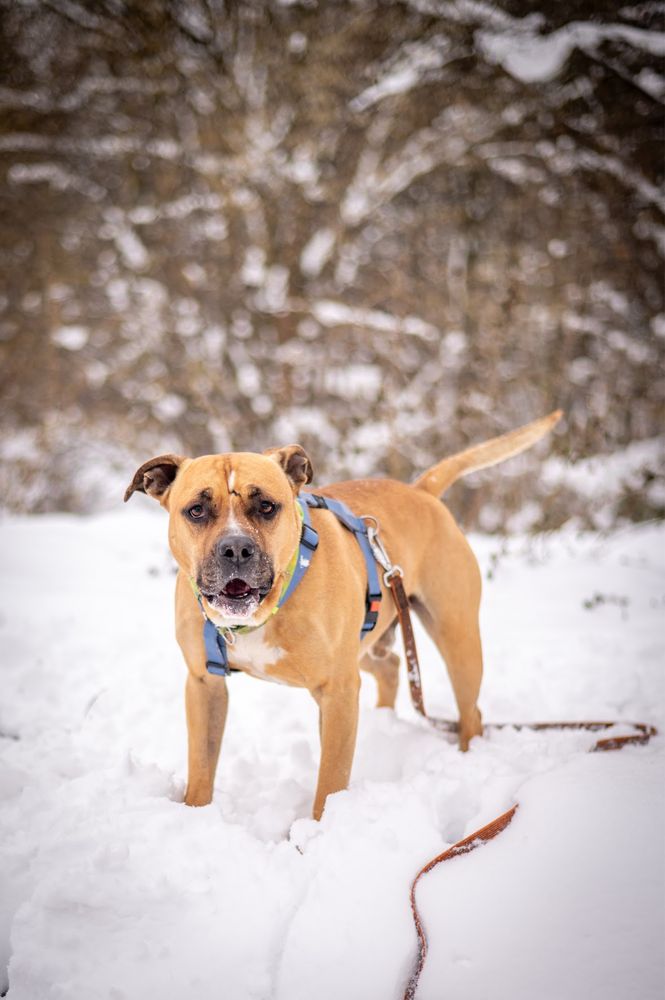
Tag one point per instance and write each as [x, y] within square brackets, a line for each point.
[392, 573]
[379, 551]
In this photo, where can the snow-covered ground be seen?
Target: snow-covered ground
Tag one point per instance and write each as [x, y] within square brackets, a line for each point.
[111, 888]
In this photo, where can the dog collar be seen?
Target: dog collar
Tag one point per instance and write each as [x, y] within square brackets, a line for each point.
[217, 637]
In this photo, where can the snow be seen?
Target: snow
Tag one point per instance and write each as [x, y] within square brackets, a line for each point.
[169, 407]
[46, 101]
[111, 888]
[602, 478]
[516, 170]
[317, 251]
[73, 338]
[179, 208]
[55, 175]
[533, 57]
[133, 252]
[248, 378]
[414, 61]
[568, 913]
[273, 295]
[354, 381]
[298, 420]
[254, 267]
[562, 158]
[104, 146]
[651, 83]
[331, 313]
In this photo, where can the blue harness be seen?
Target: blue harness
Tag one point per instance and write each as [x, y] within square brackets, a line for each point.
[217, 660]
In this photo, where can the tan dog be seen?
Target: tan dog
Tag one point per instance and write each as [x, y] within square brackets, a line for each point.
[234, 527]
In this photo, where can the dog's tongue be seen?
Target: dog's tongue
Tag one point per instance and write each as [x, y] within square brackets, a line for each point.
[237, 588]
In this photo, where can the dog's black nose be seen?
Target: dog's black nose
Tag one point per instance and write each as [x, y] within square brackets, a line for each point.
[237, 549]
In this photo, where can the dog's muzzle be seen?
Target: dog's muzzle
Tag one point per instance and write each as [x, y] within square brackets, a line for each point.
[236, 576]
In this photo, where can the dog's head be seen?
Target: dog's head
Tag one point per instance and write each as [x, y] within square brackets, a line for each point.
[233, 524]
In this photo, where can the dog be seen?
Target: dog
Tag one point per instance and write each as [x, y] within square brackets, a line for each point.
[234, 527]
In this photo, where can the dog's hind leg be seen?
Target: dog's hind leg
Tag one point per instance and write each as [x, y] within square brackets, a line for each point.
[462, 653]
[383, 663]
[448, 607]
[386, 674]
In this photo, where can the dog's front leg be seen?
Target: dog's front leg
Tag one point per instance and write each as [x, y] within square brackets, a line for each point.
[206, 701]
[338, 726]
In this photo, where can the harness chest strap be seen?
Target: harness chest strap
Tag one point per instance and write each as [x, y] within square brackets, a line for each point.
[359, 528]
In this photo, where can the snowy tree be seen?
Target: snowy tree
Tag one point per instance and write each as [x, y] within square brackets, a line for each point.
[383, 229]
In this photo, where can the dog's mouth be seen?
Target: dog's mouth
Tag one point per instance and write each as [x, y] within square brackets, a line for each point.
[239, 590]
[237, 599]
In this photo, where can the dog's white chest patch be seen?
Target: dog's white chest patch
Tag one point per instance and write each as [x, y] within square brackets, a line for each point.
[251, 652]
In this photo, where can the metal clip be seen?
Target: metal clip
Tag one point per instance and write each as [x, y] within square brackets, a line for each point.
[228, 636]
[393, 572]
[379, 551]
[376, 544]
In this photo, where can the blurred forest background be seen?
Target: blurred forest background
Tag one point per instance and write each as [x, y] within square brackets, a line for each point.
[383, 229]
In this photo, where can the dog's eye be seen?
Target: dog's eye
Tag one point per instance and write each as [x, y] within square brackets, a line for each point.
[268, 508]
[196, 512]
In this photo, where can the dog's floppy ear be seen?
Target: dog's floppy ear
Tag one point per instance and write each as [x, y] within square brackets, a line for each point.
[155, 476]
[295, 462]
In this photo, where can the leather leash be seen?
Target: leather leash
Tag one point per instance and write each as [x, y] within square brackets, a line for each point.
[644, 732]
[461, 847]
[393, 577]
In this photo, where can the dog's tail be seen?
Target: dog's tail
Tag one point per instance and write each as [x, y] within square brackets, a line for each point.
[437, 479]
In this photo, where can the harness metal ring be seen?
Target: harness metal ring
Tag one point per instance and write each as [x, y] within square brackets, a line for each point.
[228, 636]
